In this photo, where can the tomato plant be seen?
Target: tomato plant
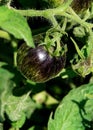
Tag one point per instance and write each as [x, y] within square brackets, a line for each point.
[46, 65]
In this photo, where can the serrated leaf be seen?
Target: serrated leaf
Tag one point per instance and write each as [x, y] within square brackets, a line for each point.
[17, 108]
[75, 111]
[5, 83]
[16, 24]
[19, 123]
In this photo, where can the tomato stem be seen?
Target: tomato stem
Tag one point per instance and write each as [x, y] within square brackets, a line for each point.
[77, 49]
[63, 10]
[47, 13]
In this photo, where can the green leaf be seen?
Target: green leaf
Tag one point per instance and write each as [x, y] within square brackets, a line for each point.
[6, 85]
[19, 123]
[17, 107]
[16, 24]
[75, 111]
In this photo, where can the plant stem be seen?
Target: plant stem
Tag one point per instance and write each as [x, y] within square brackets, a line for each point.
[61, 11]
[14, 45]
[47, 13]
[9, 3]
[77, 49]
[54, 22]
[72, 15]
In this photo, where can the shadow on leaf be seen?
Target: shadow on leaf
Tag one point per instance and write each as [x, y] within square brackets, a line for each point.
[81, 105]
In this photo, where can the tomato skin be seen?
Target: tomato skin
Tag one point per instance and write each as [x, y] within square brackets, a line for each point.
[80, 5]
[37, 65]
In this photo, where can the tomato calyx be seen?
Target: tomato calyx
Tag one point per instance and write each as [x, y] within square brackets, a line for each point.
[52, 43]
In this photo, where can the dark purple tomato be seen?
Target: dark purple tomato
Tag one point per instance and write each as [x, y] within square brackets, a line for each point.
[37, 65]
[80, 5]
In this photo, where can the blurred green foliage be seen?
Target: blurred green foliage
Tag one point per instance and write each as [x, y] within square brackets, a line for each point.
[26, 105]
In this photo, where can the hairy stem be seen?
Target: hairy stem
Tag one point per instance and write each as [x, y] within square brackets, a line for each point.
[64, 10]
[47, 13]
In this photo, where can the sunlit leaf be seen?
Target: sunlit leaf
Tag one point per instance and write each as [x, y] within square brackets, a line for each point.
[17, 108]
[16, 24]
[75, 111]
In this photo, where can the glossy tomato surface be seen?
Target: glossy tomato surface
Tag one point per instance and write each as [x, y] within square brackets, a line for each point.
[37, 65]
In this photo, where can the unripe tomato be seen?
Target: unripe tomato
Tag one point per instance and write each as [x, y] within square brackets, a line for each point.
[37, 64]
